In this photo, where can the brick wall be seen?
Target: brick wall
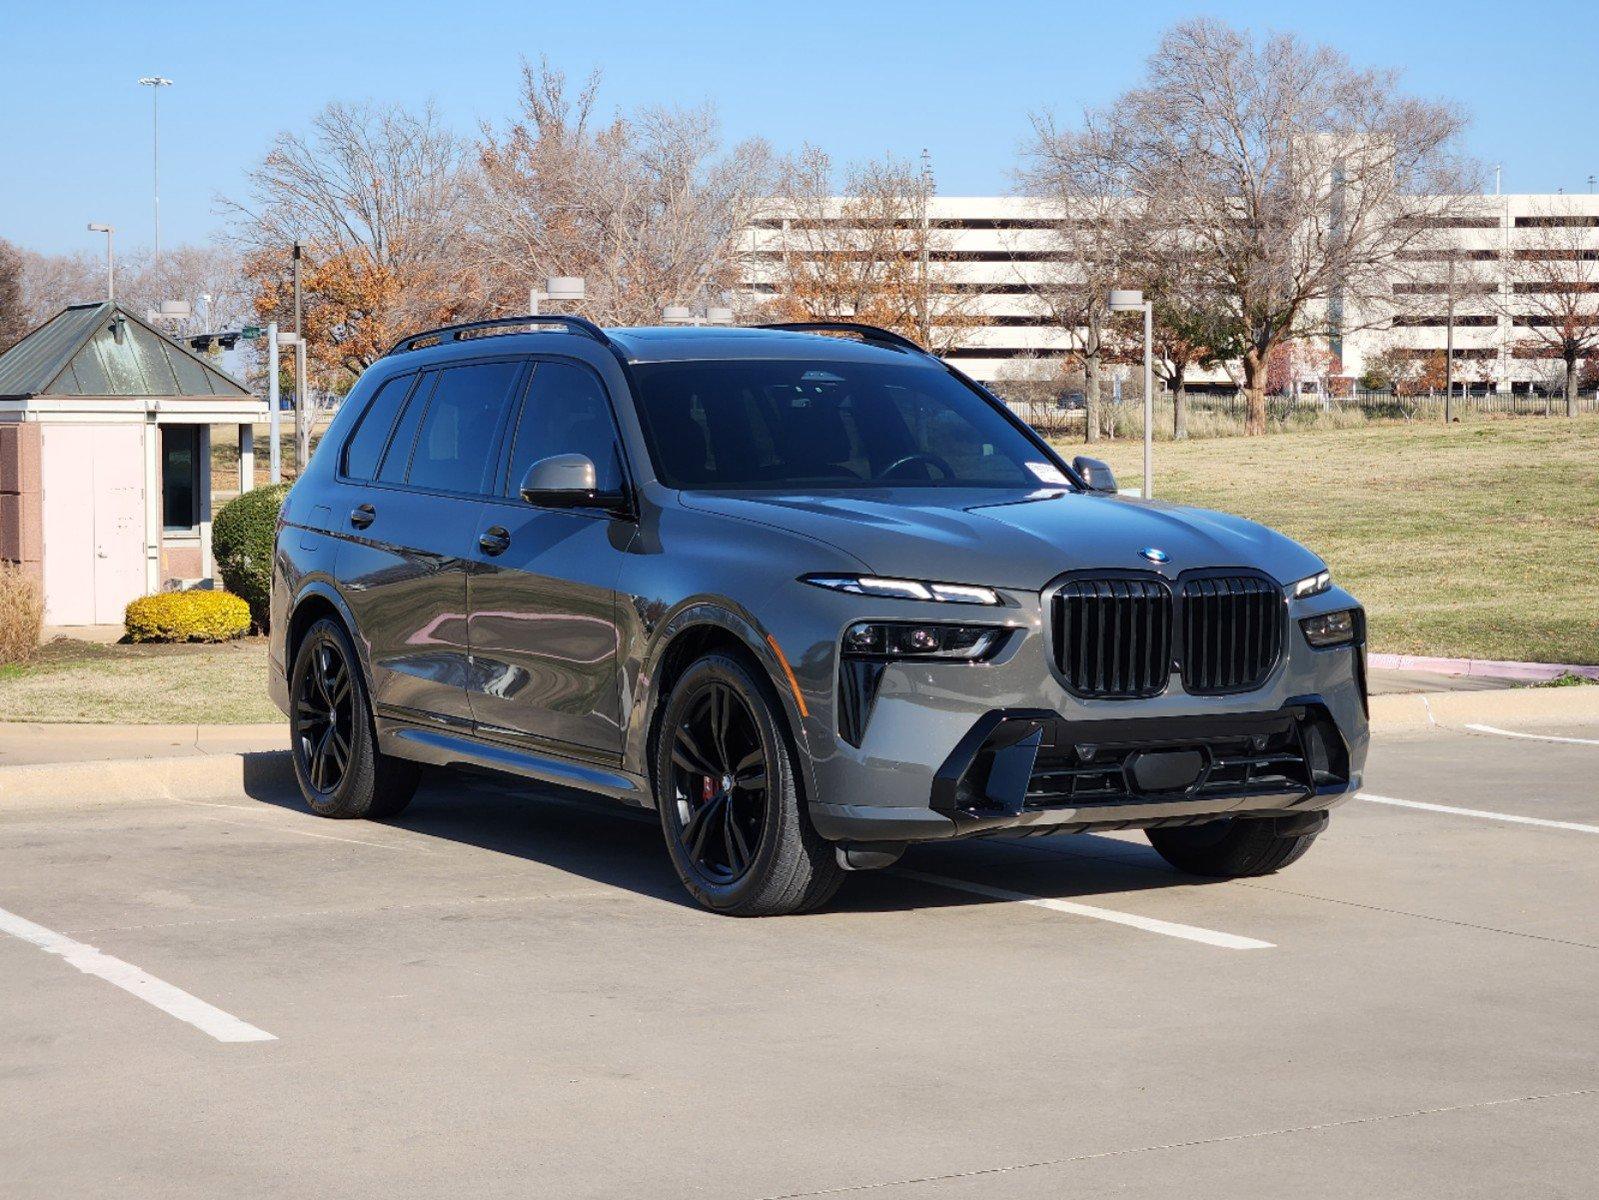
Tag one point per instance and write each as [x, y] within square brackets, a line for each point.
[21, 517]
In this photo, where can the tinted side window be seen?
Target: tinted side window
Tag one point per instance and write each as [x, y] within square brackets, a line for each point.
[565, 412]
[398, 456]
[457, 432]
[365, 447]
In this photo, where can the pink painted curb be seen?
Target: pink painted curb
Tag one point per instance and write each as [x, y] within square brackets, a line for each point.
[1481, 667]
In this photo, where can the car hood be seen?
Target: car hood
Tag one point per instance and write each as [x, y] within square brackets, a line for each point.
[1014, 540]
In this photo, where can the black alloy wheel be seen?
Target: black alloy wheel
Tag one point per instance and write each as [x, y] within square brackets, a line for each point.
[324, 717]
[718, 784]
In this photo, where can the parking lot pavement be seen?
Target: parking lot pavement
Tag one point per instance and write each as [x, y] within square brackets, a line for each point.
[504, 993]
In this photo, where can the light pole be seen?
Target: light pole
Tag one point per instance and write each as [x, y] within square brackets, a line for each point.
[155, 83]
[110, 260]
[568, 288]
[1132, 300]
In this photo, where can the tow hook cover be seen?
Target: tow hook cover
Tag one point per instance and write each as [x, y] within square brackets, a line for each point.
[1166, 770]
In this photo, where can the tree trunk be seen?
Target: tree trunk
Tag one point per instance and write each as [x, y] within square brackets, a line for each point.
[1571, 387]
[1254, 364]
[1091, 395]
[1179, 410]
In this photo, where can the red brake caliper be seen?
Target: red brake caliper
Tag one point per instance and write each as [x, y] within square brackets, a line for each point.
[707, 788]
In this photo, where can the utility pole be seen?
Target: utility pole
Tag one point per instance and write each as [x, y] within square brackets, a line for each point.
[302, 424]
[155, 83]
[1449, 346]
[274, 417]
[110, 260]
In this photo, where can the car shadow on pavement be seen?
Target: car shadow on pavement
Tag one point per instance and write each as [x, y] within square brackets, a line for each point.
[610, 843]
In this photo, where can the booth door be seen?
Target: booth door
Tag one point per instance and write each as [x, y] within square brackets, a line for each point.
[93, 502]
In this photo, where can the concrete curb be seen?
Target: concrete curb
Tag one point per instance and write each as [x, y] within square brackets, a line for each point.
[1521, 706]
[221, 764]
[214, 778]
[1480, 668]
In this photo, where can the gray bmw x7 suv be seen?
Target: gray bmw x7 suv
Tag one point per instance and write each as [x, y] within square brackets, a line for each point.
[806, 591]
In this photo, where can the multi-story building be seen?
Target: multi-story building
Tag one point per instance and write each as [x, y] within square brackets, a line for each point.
[1491, 280]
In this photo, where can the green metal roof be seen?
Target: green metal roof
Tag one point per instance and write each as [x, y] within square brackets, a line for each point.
[104, 350]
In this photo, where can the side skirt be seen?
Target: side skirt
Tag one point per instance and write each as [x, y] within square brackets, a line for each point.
[448, 748]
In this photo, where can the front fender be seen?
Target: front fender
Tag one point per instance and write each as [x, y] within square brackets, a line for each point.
[701, 613]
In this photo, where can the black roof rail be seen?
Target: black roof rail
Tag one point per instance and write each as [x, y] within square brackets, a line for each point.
[867, 333]
[456, 333]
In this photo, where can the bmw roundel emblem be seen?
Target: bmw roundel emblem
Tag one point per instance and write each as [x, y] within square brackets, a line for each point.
[1154, 554]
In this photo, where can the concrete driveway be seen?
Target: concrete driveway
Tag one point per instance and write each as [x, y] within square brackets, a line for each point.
[504, 993]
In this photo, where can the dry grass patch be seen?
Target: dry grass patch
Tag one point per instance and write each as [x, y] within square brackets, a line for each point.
[1479, 539]
[68, 680]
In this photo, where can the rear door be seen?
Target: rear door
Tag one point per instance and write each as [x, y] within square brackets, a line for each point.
[543, 582]
[413, 484]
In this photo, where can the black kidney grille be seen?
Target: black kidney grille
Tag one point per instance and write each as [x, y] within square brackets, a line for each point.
[1113, 637]
[1232, 633]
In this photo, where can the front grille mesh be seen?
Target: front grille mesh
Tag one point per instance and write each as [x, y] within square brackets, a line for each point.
[1113, 637]
[1232, 630]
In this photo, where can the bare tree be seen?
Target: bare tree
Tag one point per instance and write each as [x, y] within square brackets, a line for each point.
[1554, 292]
[868, 251]
[1299, 179]
[647, 208]
[209, 277]
[14, 321]
[1087, 227]
[376, 195]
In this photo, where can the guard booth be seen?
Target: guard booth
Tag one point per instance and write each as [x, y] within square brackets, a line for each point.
[105, 460]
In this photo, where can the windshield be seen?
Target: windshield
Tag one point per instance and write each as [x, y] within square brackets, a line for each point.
[811, 425]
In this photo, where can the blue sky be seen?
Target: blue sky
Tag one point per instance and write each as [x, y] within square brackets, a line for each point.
[857, 78]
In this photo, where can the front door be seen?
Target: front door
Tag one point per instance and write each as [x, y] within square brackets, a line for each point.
[410, 526]
[92, 478]
[543, 582]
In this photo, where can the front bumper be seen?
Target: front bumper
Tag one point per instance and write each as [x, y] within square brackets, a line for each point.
[957, 750]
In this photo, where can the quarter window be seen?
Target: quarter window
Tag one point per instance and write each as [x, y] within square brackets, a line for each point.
[457, 433]
[365, 447]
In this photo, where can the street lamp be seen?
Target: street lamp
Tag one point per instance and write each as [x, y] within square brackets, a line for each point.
[155, 83]
[569, 288]
[110, 260]
[1132, 300]
[683, 314]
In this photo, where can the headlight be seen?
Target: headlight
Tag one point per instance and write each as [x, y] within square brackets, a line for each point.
[904, 589]
[1331, 629]
[883, 640]
[1313, 585]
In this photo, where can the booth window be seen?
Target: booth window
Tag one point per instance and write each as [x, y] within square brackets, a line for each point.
[180, 478]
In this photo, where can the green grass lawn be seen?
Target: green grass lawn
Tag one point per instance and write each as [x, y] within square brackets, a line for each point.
[69, 680]
[1479, 539]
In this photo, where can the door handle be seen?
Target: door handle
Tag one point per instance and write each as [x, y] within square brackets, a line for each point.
[363, 515]
[494, 540]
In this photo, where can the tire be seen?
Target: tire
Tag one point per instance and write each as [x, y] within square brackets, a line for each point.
[753, 851]
[331, 736]
[1229, 848]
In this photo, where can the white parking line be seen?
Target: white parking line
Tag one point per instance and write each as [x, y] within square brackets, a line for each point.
[1534, 737]
[173, 1001]
[1481, 812]
[1192, 933]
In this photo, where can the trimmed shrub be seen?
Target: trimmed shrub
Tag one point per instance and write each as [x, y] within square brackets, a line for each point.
[194, 616]
[21, 613]
[241, 542]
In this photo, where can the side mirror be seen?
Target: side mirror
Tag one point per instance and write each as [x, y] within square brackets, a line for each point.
[567, 481]
[1096, 474]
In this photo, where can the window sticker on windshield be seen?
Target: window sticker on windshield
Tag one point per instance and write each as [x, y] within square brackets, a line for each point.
[1047, 472]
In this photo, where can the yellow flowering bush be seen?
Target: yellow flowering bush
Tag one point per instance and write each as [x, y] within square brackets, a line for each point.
[194, 616]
